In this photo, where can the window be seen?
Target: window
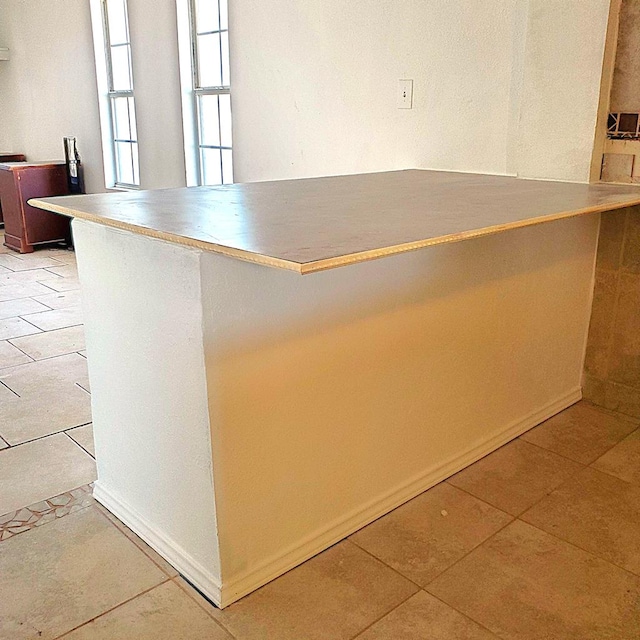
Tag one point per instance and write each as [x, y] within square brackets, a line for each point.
[115, 83]
[206, 91]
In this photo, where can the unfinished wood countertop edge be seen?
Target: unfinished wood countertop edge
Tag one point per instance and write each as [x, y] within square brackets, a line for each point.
[334, 262]
[240, 254]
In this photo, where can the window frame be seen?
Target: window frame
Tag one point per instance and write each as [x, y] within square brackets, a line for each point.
[194, 91]
[108, 96]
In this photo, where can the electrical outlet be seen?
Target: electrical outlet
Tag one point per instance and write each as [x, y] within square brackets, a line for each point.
[405, 94]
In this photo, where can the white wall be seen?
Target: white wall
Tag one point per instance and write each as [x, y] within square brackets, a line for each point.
[314, 90]
[48, 88]
[563, 68]
[152, 27]
[314, 86]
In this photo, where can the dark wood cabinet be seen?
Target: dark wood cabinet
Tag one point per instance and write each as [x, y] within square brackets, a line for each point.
[25, 226]
[10, 157]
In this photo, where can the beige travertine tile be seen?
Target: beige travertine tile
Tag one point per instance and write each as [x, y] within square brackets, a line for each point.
[599, 342]
[56, 283]
[139, 542]
[623, 461]
[524, 584]
[631, 251]
[52, 343]
[427, 535]
[195, 595]
[617, 167]
[34, 415]
[56, 319]
[164, 613]
[594, 389]
[15, 308]
[515, 476]
[45, 511]
[66, 271]
[16, 327]
[581, 432]
[23, 277]
[26, 290]
[62, 574]
[624, 359]
[30, 261]
[55, 373]
[596, 512]
[423, 616]
[6, 395]
[61, 300]
[40, 469]
[3, 444]
[612, 225]
[619, 397]
[334, 595]
[62, 255]
[10, 356]
[84, 437]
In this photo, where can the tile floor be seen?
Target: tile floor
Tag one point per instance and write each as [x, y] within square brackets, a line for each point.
[540, 540]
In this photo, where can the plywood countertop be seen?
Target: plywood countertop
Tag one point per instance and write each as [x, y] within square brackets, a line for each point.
[313, 224]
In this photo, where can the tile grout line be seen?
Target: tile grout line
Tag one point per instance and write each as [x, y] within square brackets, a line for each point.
[575, 546]
[117, 606]
[631, 483]
[495, 533]
[77, 443]
[31, 323]
[6, 386]
[466, 615]
[533, 444]
[99, 508]
[79, 385]
[67, 353]
[177, 580]
[21, 351]
[548, 493]
[348, 539]
[46, 435]
[384, 615]
[613, 412]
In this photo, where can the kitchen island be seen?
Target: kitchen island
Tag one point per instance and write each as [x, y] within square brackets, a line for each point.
[247, 417]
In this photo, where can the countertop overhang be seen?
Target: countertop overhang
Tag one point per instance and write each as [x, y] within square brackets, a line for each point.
[312, 224]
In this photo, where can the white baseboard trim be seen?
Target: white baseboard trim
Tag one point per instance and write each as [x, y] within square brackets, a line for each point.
[173, 553]
[313, 544]
[231, 590]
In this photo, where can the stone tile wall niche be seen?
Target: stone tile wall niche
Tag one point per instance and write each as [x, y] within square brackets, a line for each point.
[612, 363]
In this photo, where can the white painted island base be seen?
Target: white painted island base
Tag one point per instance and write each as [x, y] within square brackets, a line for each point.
[247, 417]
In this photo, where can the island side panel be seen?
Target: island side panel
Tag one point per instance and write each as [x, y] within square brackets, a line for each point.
[143, 323]
[336, 396]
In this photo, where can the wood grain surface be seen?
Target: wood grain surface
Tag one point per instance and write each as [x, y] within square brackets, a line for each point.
[312, 224]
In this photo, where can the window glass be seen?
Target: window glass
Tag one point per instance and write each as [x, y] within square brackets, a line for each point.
[120, 94]
[208, 129]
